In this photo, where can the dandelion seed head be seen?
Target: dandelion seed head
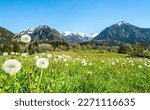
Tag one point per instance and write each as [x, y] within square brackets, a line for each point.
[49, 55]
[84, 63]
[65, 59]
[66, 64]
[139, 66]
[25, 38]
[24, 54]
[113, 63]
[43, 54]
[132, 64]
[103, 61]
[12, 53]
[42, 63]
[17, 53]
[89, 72]
[11, 66]
[5, 54]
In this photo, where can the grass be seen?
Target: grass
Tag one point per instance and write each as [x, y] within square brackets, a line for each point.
[103, 73]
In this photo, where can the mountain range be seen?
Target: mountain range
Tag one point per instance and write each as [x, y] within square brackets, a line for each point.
[80, 37]
[121, 32]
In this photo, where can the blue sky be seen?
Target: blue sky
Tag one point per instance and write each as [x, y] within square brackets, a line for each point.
[73, 15]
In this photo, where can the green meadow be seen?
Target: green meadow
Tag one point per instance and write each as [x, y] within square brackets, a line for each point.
[78, 72]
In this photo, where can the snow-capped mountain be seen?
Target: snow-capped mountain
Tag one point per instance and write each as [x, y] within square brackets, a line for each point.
[74, 37]
[93, 35]
[123, 32]
[122, 23]
[43, 33]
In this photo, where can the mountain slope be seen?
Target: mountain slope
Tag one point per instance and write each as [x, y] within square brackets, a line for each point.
[6, 37]
[43, 33]
[123, 32]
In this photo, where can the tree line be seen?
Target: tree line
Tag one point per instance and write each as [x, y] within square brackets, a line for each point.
[138, 49]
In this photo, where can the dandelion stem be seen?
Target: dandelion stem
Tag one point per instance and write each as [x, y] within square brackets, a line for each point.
[26, 47]
[40, 77]
[30, 85]
[29, 75]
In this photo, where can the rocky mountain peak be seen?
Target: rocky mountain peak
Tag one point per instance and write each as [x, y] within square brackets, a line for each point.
[43, 33]
[122, 23]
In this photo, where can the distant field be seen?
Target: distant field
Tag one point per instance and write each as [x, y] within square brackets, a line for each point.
[78, 72]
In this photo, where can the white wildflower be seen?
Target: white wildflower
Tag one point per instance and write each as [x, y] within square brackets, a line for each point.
[66, 64]
[84, 63]
[36, 57]
[139, 66]
[42, 63]
[65, 59]
[5, 54]
[25, 38]
[17, 53]
[145, 64]
[89, 72]
[103, 61]
[55, 59]
[11, 66]
[113, 63]
[60, 57]
[130, 61]
[123, 64]
[148, 66]
[117, 60]
[43, 54]
[49, 55]
[24, 54]
[77, 59]
[12, 53]
[132, 64]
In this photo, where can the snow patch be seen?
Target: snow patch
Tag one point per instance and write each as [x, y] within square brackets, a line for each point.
[94, 34]
[121, 23]
[68, 33]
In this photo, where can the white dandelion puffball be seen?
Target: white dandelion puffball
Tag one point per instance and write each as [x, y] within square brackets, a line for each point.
[5, 54]
[84, 63]
[49, 55]
[42, 63]
[36, 57]
[24, 54]
[65, 60]
[11, 66]
[139, 66]
[13, 53]
[43, 54]
[17, 53]
[66, 64]
[103, 61]
[89, 72]
[25, 38]
[113, 63]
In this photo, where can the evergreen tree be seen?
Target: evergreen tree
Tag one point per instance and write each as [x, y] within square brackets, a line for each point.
[16, 47]
[138, 50]
[6, 48]
[125, 49]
